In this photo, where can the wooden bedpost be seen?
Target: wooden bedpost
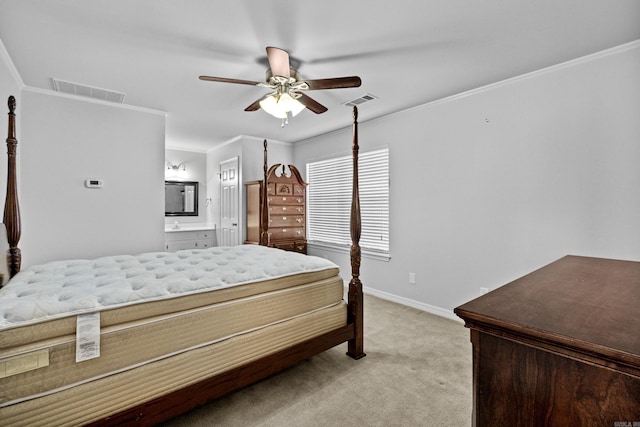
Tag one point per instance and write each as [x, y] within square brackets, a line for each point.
[264, 201]
[356, 301]
[11, 217]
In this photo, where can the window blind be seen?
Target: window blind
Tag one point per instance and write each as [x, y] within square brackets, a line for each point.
[329, 201]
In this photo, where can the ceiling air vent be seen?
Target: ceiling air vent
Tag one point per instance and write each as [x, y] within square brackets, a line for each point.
[88, 91]
[365, 98]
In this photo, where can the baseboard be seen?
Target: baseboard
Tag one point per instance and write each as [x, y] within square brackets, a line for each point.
[438, 311]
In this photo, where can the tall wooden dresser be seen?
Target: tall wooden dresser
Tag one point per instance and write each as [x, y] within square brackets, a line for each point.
[287, 204]
[559, 346]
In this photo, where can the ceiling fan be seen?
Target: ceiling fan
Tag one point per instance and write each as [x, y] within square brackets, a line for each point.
[287, 97]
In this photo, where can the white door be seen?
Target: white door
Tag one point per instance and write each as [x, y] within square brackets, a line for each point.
[229, 203]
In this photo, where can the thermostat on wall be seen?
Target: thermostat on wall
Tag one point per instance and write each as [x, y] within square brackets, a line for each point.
[94, 183]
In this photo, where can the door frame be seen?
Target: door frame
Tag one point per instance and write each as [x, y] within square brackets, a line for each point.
[240, 219]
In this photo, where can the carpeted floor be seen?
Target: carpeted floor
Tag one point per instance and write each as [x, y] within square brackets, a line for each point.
[417, 372]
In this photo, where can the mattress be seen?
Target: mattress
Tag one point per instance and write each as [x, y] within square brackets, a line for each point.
[59, 289]
[153, 308]
[97, 399]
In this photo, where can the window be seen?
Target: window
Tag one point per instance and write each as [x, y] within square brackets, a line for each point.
[329, 201]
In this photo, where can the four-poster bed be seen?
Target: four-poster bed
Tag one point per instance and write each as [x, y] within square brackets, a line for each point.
[217, 320]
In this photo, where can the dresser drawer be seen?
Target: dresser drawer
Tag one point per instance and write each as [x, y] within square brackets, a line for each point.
[179, 245]
[286, 210]
[206, 234]
[286, 200]
[287, 233]
[285, 189]
[180, 235]
[204, 243]
[292, 246]
[286, 220]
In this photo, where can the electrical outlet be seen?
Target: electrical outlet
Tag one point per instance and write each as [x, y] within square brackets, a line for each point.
[412, 278]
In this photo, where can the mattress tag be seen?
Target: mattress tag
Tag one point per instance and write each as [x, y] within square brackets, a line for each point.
[87, 336]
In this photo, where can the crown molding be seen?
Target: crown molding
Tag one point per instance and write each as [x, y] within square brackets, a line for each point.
[563, 65]
[6, 58]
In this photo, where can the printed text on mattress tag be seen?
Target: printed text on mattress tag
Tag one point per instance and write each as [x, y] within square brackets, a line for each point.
[87, 336]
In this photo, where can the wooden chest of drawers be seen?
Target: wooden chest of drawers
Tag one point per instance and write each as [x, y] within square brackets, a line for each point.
[559, 346]
[286, 195]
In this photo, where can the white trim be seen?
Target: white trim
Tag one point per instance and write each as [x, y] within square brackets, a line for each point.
[94, 101]
[248, 137]
[570, 63]
[187, 149]
[531, 74]
[6, 58]
[438, 311]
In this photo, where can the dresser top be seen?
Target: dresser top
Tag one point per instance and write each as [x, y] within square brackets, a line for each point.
[590, 305]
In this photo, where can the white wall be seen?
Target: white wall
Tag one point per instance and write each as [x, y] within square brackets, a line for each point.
[492, 184]
[250, 152]
[10, 84]
[66, 141]
[196, 170]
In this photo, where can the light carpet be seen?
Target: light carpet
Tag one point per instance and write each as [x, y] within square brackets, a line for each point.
[417, 372]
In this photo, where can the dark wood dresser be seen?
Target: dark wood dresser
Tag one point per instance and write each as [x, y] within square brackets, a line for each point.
[287, 205]
[559, 346]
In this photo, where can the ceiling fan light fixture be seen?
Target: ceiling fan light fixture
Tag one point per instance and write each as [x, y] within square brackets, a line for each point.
[288, 98]
[279, 105]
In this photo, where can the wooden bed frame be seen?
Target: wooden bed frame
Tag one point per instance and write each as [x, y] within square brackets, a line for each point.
[174, 403]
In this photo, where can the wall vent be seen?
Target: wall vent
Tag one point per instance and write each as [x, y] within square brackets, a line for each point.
[361, 100]
[88, 91]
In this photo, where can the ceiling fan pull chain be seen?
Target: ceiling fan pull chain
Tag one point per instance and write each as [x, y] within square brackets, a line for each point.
[285, 120]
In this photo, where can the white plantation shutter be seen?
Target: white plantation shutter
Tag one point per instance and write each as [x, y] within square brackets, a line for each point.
[329, 201]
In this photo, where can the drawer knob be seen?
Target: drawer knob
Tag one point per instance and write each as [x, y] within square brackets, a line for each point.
[284, 218]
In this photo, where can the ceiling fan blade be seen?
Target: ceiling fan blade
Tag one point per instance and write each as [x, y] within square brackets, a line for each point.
[225, 80]
[278, 61]
[333, 83]
[255, 106]
[311, 104]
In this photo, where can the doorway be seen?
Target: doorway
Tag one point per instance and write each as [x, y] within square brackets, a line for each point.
[229, 203]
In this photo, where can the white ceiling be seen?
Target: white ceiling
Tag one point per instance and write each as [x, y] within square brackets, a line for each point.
[407, 52]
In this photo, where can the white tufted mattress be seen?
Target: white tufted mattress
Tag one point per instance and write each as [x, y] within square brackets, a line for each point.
[61, 288]
[158, 310]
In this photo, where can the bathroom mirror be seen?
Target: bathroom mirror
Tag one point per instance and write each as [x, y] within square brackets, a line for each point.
[180, 198]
